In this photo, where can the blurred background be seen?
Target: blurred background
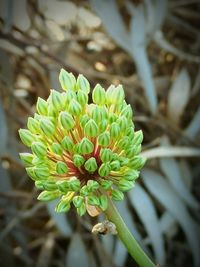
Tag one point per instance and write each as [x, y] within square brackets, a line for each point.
[152, 47]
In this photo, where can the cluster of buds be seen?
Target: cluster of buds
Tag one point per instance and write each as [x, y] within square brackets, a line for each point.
[82, 153]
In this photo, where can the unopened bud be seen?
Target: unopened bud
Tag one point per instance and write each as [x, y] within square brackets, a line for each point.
[83, 84]
[67, 80]
[118, 95]
[78, 201]
[115, 165]
[39, 149]
[123, 123]
[61, 167]
[82, 98]
[42, 106]
[26, 136]
[66, 120]
[78, 160]
[81, 210]
[63, 206]
[56, 148]
[103, 202]
[117, 195]
[92, 185]
[27, 158]
[48, 195]
[125, 185]
[104, 169]
[75, 108]
[91, 128]
[93, 200]
[47, 127]
[104, 139]
[114, 130]
[67, 144]
[106, 154]
[91, 165]
[137, 162]
[86, 146]
[106, 184]
[41, 172]
[127, 112]
[74, 184]
[56, 100]
[99, 95]
[33, 125]
[138, 138]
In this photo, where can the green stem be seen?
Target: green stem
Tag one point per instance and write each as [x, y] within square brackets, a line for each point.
[126, 237]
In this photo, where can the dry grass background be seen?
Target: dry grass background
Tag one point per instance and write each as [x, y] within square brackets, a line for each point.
[153, 49]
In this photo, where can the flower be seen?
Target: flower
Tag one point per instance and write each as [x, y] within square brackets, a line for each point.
[82, 153]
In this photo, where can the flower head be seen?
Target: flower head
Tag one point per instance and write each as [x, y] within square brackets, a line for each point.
[82, 153]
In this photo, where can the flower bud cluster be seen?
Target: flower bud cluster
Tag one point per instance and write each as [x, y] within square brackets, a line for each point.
[82, 153]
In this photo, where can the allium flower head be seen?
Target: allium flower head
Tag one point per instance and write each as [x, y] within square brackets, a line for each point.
[82, 153]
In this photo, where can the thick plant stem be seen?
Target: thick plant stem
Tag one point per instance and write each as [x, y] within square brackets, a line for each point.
[126, 237]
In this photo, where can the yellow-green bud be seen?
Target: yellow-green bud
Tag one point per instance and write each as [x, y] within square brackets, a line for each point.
[27, 158]
[84, 191]
[137, 162]
[56, 148]
[48, 195]
[132, 175]
[91, 165]
[66, 120]
[115, 165]
[114, 130]
[49, 185]
[124, 142]
[106, 184]
[63, 206]
[112, 117]
[74, 184]
[82, 98]
[138, 138]
[56, 100]
[91, 128]
[106, 154]
[103, 202]
[104, 169]
[118, 95]
[97, 114]
[130, 133]
[39, 185]
[109, 92]
[84, 119]
[47, 127]
[78, 160]
[61, 167]
[33, 125]
[117, 195]
[41, 172]
[75, 108]
[52, 111]
[125, 185]
[39, 149]
[123, 123]
[67, 144]
[103, 126]
[78, 201]
[81, 210]
[99, 95]
[104, 139]
[86, 146]
[123, 161]
[31, 173]
[92, 185]
[67, 80]
[127, 112]
[42, 106]
[69, 95]
[83, 84]
[63, 186]
[26, 136]
[131, 151]
[93, 200]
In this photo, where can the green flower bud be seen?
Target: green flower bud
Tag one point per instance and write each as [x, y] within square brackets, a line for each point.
[47, 127]
[41, 172]
[63, 186]
[131, 151]
[39, 149]
[56, 100]
[104, 169]
[125, 185]
[103, 125]
[127, 112]
[78, 160]
[56, 148]
[123, 161]
[61, 167]
[124, 142]
[103, 202]
[38, 161]
[97, 114]
[118, 95]
[81, 210]
[92, 185]
[117, 195]
[26, 136]
[91, 165]
[106, 184]
[114, 130]
[138, 138]
[109, 93]
[82, 98]
[33, 125]
[83, 84]
[99, 95]
[115, 165]
[91, 128]
[84, 191]
[106, 155]
[52, 111]
[31, 173]
[132, 175]
[63, 206]
[76, 149]
[75, 108]
[123, 123]
[112, 117]
[67, 144]
[27, 158]
[74, 184]
[104, 139]
[93, 200]
[42, 106]
[86, 146]
[130, 132]
[39, 185]
[66, 120]
[69, 95]
[49, 185]
[67, 80]
[78, 201]
[137, 162]
[84, 119]
[48, 195]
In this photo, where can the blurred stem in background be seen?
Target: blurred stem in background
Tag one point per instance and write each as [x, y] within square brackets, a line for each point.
[127, 238]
